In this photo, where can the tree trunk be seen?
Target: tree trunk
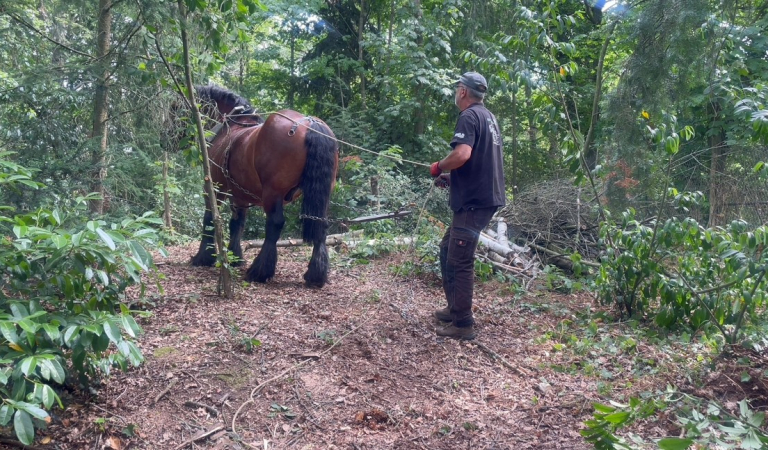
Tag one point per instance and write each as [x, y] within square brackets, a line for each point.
[361, 61]
[421, 120]
[101, 106]
[515, 181]
[291, 85]
[166, 195]
[532, 131]
[224, 286]
[717, 191]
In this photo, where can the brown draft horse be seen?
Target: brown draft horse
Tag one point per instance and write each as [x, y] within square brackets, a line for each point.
[268, 164]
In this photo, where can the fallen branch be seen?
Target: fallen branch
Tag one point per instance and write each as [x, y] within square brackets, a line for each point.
[199, 436]
[165, 391]
[555, 254]
[506, 267]
[503, 250]
[501, 359]
[213, 411]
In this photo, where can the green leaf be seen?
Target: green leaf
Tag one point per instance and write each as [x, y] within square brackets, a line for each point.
[675, 443]
[20, 231]
[71, 333]
[140, 254]
[9, 332]
[45, 369]
[106, 238]
[112, 331]
[36, 412]
[103, 276]
[617, 417]
[6, 414]
[29, 326]
[59, 241]
[52, 331]
[752, 441]
[603, 408]
[28, 365]
[22, 425]
[49, 396]
[58, 372]
[130, 325]
[19, 311]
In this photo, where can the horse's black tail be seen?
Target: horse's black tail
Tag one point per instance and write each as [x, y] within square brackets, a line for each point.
[317, 180]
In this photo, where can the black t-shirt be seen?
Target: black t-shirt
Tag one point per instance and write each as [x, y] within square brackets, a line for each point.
[479, 183]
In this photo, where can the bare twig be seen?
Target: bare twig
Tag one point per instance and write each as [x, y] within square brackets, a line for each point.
[165, 391]
[520, 371]
[213, 411]
[199, 436]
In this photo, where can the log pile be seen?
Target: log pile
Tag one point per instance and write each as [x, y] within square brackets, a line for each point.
[496, 249]
[555, 219]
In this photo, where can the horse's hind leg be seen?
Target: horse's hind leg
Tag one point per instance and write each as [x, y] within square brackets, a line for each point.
[263, 267]
[206, 255]
[236, 227]
[317, 272]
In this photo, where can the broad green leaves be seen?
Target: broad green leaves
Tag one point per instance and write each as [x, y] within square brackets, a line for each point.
[679, 273]
[60, 294]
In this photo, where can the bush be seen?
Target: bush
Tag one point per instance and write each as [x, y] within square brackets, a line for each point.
[680, 273]
[61, 293]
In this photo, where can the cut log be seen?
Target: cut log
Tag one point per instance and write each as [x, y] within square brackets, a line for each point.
[402, 241]
[501, 232]
[504, 250]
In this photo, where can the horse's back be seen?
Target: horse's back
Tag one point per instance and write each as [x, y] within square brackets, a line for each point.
[280, 153]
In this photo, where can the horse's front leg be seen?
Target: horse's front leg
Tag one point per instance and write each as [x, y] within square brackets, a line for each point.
[263, 267]
[317, 272]
[206, 255]
[236, 227]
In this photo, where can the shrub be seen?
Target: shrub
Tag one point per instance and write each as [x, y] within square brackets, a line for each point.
[62, 285]
[681, 273]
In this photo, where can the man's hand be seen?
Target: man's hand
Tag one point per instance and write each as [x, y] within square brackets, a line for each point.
[434, 169]
[443, 180]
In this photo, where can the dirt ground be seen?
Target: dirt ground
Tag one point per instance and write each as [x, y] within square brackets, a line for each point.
[355, 365]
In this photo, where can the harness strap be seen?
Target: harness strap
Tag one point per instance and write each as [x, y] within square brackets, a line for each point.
[296, 123]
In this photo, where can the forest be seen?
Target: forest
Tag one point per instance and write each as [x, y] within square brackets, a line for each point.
[626, 308]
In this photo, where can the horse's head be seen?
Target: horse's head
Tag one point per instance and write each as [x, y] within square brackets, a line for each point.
[218, 103]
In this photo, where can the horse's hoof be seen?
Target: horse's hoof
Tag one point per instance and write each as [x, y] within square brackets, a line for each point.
[314, 283]
[256, 278]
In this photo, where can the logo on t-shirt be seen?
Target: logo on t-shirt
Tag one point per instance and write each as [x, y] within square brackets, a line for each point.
[459, 135]
[493, 128]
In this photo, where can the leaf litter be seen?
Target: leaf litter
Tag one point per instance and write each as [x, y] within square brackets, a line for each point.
[355, 365]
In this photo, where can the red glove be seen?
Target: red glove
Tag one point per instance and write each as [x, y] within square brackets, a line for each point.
[434, 169]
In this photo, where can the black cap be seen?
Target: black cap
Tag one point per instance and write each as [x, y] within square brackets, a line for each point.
[474, 80]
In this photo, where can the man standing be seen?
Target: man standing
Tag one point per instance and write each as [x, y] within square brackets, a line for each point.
[476, 183]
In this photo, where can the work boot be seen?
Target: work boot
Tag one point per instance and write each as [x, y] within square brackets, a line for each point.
[461, 333]
[443, 315]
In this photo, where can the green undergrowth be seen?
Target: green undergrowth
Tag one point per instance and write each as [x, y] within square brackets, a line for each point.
[649, 379]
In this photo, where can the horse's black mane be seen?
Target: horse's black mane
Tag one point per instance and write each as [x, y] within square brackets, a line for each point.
[219, 94]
